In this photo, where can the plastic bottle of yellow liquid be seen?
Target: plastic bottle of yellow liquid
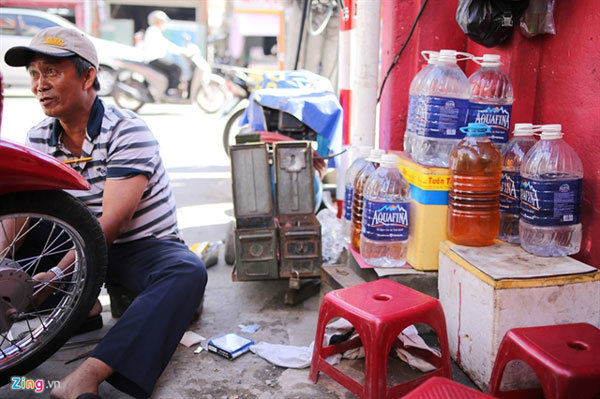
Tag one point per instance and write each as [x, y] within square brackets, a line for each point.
[357, 202]
[474, 197]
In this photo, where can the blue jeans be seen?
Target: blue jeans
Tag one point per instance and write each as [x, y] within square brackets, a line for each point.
[170, 280]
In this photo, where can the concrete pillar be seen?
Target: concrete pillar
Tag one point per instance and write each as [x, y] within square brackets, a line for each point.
[365, 73]
[88, 16]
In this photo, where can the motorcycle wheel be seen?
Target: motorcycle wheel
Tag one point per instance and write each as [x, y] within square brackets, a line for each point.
[211, 97]
[106, 77]
[232, 129]
[31, 335]
[126, 100]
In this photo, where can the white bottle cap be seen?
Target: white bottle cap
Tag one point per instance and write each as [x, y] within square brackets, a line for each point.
[389, 158]
[524, 129]
[363, 151]
[490, 60]
[434, 57]
[447, 56]
[375, 155]
[551, 132]
[431, 56]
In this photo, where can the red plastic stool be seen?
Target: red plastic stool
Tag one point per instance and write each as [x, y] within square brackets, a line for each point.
[443, 388]
[379, 311]
[565, 358]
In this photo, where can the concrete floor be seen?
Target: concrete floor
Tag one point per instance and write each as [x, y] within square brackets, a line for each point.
[206, 375]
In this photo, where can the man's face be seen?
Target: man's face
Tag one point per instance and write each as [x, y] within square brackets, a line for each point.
[55, 84]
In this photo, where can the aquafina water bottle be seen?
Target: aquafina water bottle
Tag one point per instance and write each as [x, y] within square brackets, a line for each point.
[441, 110]
[510, 184]
[384, 235]
[491, 98]
[551, 193]
[413, 96]
[360, 162]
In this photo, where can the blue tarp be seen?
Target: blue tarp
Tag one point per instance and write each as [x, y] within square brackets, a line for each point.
[307, 96]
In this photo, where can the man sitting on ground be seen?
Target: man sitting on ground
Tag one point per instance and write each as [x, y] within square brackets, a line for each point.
[131, 197]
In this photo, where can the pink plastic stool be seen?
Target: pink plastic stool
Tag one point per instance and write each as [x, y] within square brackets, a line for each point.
[379, 311]
[443, 388]
[565, 358]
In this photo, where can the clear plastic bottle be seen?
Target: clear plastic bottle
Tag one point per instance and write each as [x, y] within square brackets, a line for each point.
[413, 96]
[473, 201]
[551, 192]
[360, 162]
[384, 235]
[510, 184]
[491, 98]
[441, 111]
[357, 201]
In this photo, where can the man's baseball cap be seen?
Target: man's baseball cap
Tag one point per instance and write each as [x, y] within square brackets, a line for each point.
[56, 42]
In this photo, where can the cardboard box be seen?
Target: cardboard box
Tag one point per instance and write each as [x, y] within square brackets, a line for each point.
[230, 346]
[485, 291]
[429, 188]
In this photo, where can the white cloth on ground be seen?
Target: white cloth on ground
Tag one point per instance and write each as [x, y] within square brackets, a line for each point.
[301, 356]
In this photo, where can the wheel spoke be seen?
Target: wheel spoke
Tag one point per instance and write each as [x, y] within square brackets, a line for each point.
[36, 326]
[16, 237]
[37, 232]
[35, 259]
[45, 248]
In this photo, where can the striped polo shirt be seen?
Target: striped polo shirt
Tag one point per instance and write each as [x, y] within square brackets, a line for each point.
[121, 146]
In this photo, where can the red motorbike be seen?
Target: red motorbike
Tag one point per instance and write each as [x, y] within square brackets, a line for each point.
[40, 224]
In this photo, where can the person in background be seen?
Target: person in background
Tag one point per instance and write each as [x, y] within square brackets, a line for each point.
[156, 47]
[138, 39]
[131, 196]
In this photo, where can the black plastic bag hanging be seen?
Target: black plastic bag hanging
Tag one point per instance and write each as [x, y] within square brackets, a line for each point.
[489, 22]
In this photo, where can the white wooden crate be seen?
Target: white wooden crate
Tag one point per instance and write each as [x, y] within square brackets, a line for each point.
[485, 291]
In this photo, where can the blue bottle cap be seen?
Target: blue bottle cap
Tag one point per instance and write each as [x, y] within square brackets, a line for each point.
[475, 129]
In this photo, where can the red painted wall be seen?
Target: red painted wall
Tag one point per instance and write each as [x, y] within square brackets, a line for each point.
[556, 79]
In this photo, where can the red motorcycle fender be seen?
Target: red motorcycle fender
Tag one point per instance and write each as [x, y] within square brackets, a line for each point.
[25, 169]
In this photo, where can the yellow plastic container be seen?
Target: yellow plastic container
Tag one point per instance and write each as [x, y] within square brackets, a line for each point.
[429, 188]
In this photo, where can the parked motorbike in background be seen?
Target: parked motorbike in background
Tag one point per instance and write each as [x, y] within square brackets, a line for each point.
[138, 83]
[241, 84]
[37, 317]
[297, 105]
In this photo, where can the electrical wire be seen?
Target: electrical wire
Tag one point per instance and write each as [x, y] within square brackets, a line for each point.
[304, 11]
[337, 154]
[397, 57]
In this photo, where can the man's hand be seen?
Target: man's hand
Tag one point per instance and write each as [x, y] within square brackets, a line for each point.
[43, 287]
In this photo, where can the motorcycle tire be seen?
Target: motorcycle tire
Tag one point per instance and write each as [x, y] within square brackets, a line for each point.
[231, 129]
[33, 335]
[125, 100]
[106, 77]
[211, 98]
